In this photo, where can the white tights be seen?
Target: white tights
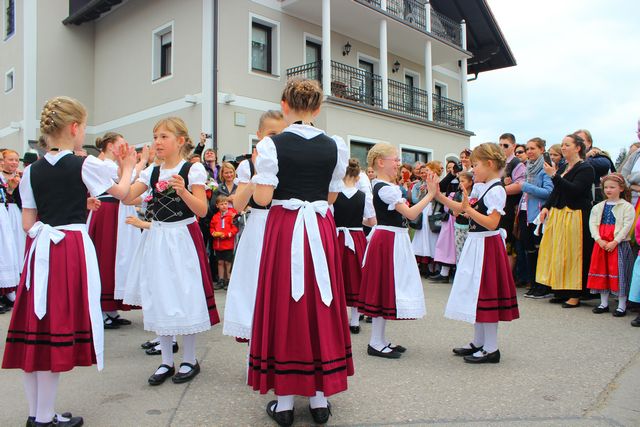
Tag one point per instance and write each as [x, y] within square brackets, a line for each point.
[41, 388]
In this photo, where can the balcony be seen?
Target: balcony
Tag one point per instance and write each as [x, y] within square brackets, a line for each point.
[356, 85]
[414, 14]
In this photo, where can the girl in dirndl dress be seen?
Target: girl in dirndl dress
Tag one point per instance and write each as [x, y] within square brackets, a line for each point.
[9, 261]
[391, 287]
[300, 341]
[349, 209]
[483, 290]
[169, 275]
[424, 240]
[610, 224]
[241, 294]
[56, 322]
[115, 241]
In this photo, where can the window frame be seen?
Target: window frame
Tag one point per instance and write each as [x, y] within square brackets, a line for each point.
[5, 19]
[11, 72]
[268, 46]
[157, 51]
[275, 55]
[415, 149]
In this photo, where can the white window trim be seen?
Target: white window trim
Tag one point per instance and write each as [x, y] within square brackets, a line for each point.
[427, 151]
[373, 60]
[443, 85]
[6, 75]
[4, 21]
[308, 37]
[275, 52]
[154, 34]
[417, 83]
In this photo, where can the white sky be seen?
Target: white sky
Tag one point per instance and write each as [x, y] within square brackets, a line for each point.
[578, 67]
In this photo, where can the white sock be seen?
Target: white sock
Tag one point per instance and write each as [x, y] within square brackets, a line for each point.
[490, 337]
[478, 335]
[355, 317]
[47, 390]
[188, 352]
[11, 296]
[318, 401]
[285, 403]
[444, 270]
[622, 303]
[377, 340]
[604, 299]
[30, 381]
[166, 347]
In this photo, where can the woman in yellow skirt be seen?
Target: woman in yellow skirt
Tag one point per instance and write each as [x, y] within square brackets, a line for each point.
[566, 245]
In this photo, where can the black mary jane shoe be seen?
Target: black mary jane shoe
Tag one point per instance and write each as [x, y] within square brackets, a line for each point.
[368, 319]
[4, 300]
[567, 305]
[379, 353]
[111, 323]
[636, 322]
[31, 421]
[397, 347]
[600, 309]
[462, 351]
[70, 422]
[485, 358]
[619, 313]
[155, 350]
[180, 378]
[556, 300]
[157, 379]
[121, 321]
[320, 415]
[149, 344]
[354, 329]
[283, 418]
[361, 318]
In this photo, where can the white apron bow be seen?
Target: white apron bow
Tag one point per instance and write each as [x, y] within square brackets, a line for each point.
[307, 220]
[43, 235]
[348, 238]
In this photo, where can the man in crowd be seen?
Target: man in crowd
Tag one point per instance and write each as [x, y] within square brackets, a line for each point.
[600, 162]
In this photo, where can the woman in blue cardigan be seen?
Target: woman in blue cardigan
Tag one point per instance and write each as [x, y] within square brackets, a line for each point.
[535, 191]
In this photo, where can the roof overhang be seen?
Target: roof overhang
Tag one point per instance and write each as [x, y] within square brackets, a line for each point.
[81, 11]
[484, 37]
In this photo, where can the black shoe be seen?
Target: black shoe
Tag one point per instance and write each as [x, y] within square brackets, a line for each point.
[121, 321]
[71, 422]
[4, 300]
[283, 418]
[219, 285]
[354, 329]
[541, 293]
[440, 279]
[321, 415]
[361, 318]
[31, 421]
[4, 309]
[111, 323]
[636, 322]
[368, 319]
[532, 290]
[390, 355]
[226, 285]
[180, 378]
[398, 348]
[619, 313]
[567, 305]
[485, 358]
[461, 351]
[433, 275]
[600, 309]
[149, 344]
[157, 379]
[155, 351]
[556, 300]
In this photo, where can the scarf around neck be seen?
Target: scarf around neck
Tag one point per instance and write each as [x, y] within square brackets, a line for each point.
[533, 169]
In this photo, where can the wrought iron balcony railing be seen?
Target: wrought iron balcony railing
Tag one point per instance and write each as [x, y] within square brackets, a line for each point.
[410, 11]
[446, 28]
[363, 87]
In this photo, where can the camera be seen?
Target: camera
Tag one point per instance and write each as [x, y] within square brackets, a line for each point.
[207, 135]
[243, 157]
[457, 167]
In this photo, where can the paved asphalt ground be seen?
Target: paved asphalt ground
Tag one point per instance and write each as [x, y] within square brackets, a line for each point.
[560, 367]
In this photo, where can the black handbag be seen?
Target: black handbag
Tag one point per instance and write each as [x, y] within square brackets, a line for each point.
[437, 217]
[416, 224]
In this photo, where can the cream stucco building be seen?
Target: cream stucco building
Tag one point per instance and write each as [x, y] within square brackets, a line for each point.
[391, 70]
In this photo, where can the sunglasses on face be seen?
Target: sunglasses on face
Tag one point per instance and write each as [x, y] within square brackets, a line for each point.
[519, 152]
[505, 145]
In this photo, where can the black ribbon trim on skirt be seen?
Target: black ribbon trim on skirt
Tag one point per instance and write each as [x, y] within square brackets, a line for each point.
[52, 344]
[500, 307]
[296, 371]
[13, 331]
[295, 362]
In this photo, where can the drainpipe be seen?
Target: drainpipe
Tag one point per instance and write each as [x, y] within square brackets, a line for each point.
[214, 102]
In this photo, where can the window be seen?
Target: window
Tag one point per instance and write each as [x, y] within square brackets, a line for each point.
[440, 92]
[261, 48]
[412, 156]
[9, 18]
[9, 81]
[313, 52]
[163, 52]
[359, 150]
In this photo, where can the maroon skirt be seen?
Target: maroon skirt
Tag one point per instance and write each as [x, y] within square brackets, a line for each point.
[352, 265]
[497, 300]
[377, 296]
[205, 271]
[103, 230]
[62, 339]
[298, 348]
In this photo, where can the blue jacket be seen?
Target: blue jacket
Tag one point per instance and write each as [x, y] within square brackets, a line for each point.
[537, 194]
